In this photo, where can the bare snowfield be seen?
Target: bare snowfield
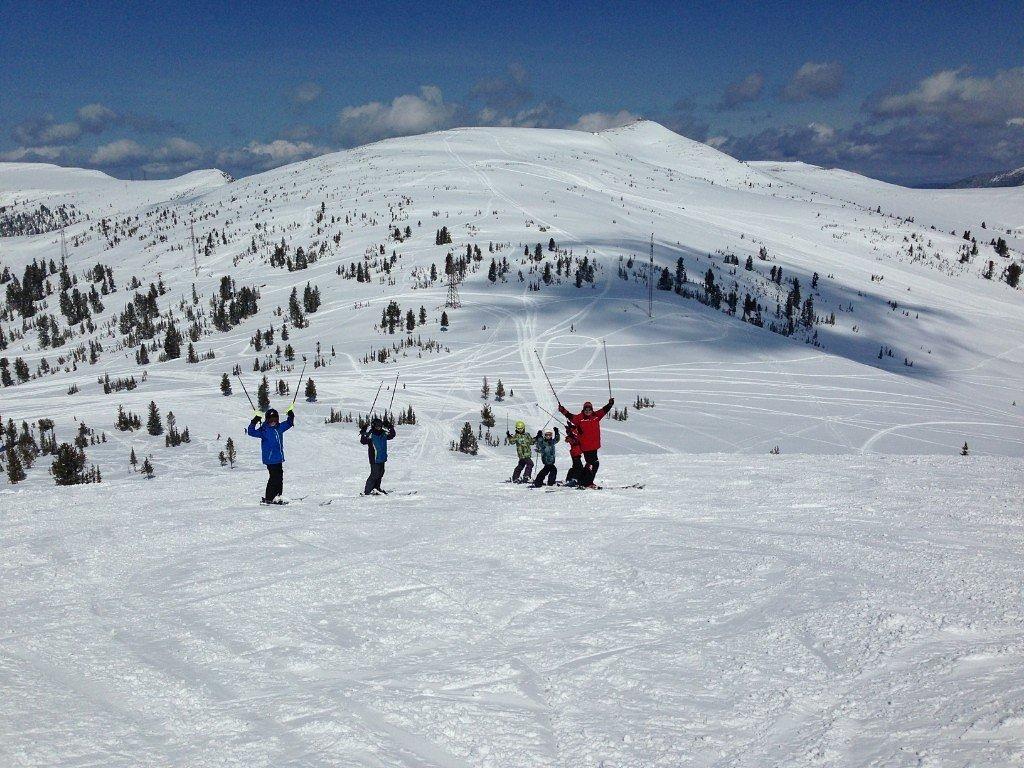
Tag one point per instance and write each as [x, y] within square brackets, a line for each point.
[738, 611]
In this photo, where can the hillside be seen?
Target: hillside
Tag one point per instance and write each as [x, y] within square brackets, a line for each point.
[888, 284]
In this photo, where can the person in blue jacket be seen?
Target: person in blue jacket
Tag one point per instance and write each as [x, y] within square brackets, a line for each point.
[376, 442]
[271, 435]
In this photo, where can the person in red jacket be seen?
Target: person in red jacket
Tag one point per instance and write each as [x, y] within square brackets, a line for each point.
[572, 437]
[588, 424]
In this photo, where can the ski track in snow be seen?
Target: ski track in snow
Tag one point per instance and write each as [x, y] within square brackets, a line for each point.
[735, 612]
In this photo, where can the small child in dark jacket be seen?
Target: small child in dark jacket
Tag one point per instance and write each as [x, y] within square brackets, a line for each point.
[546, 444]
[376, 442]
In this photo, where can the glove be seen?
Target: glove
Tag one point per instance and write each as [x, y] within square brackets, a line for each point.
[257, 416]
[611, 401]
[290, 408]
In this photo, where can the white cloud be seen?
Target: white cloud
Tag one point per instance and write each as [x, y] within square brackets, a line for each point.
[954, 95]
[306, 93]
[814, 80]
[263, 155]
[44, 154]
[600, 121]
[119, 152]
[405, 115]
[746, 90]
[96, 118]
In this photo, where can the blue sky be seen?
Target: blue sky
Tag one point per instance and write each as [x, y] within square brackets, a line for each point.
[908, 91]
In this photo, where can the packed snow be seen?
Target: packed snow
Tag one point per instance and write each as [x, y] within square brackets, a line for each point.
[852, 600]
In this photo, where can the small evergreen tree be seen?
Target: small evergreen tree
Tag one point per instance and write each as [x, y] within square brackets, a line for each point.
[68, 466]
[133, 460]
[15, 471]
[263, 395]
[229, 450]
[147, 468]
[153, 425]
[310, 391]
[499, 392]
[225, 385]
[467, 440]
[965, 451]
[485, 390]
[487, 416]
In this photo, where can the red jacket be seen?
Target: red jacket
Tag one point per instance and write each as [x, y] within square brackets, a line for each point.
[589, 429]
[572, 437]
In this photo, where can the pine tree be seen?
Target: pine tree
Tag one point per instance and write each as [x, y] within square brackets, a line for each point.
[310, 391]
[133, 460]
[444, 319]
[153, 425]
[665, 281]
[485, 390]
[467, 440]
[225, 385]
[499, 392]
[263, 395]
[487, 416]
[68, 465]
[965, 451]
[147, 468]
[15, 471]
[229, 450]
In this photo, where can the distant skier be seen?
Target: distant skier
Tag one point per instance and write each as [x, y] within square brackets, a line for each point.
[572, 437]
[588, 423]
[546, 444]
[524, 450]
[376, 442]
[271, 435]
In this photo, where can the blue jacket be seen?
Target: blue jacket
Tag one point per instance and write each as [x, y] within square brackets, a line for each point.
[377, 444]
[271, 438]
[546, 448]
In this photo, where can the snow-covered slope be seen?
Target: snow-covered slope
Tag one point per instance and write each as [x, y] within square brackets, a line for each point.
[741, 609]
[950, 369]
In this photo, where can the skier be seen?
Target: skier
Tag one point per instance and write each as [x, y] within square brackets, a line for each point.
[524, 450]
[271, 435]
[546, 444]
[376, 442]
[588, 424]
[572, 437]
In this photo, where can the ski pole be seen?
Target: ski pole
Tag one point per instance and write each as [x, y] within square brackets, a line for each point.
[246, 391]
[391, 404]
[544, 370]
[297, 386]
[606, 370]
[374, 405]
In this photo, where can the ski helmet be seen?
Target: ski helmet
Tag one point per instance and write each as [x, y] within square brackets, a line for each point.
[376, 423]
[588, 406]
[272, 414]
[520, 426]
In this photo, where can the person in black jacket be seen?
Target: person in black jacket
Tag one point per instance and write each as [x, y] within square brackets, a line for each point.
[376, 442]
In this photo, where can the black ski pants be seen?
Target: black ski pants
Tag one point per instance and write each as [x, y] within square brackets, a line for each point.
[524, 468]
[575, 473]
[590, 467]
[548, 472]
[373, 481]
[275, 483]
